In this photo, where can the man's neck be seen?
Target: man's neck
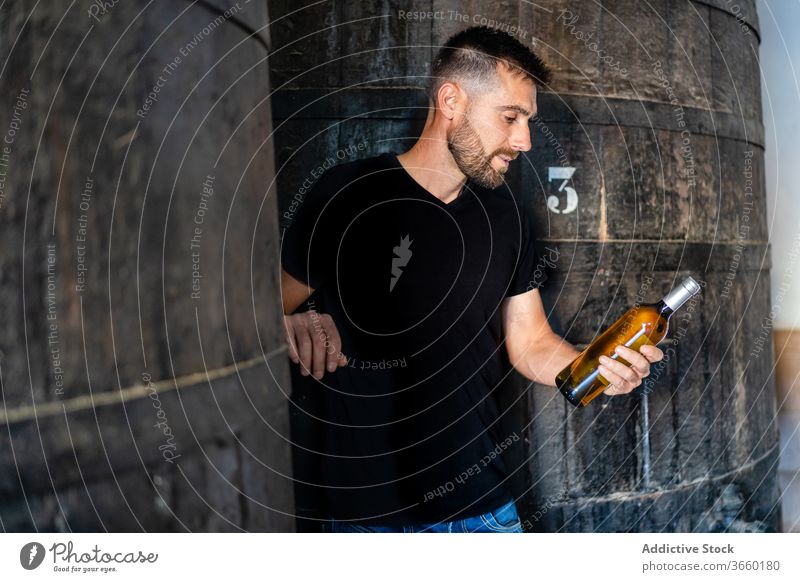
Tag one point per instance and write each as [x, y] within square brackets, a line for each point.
[432, 166]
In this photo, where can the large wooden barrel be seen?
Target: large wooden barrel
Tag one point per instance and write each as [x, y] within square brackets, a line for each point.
[647, 165]
[143, 362]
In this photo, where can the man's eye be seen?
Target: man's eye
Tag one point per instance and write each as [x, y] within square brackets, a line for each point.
[509, 119]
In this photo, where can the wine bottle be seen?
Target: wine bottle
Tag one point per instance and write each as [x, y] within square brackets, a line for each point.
[581, 382]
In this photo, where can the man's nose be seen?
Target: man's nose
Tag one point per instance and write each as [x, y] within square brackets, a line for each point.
[521, 139]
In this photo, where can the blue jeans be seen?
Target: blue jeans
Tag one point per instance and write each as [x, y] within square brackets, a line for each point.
[504, 519]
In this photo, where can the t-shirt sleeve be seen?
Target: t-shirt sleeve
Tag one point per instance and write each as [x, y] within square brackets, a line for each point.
[530, 270]
[307, 245]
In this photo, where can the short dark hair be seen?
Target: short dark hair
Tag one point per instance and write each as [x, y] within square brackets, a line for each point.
[472, 56]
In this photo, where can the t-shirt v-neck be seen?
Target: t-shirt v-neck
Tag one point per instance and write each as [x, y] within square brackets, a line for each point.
[465, 193]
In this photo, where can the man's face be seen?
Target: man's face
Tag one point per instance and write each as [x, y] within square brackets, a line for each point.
[494, 129]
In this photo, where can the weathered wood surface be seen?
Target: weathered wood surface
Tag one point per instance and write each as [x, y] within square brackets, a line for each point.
[669, 167]
[143, 159]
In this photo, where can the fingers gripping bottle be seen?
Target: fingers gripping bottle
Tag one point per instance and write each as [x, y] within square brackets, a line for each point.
[580, 382]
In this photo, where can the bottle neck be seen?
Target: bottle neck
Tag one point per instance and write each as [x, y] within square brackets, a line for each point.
[680, 295]
[664, 310]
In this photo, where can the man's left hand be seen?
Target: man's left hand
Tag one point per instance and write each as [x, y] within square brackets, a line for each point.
[623, 378]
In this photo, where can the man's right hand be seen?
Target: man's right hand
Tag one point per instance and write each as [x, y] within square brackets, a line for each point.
[314, 342]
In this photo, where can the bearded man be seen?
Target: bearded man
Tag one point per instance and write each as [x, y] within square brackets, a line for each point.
[426, 289]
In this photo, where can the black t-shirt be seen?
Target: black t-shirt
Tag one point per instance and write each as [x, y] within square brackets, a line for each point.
[410, 430]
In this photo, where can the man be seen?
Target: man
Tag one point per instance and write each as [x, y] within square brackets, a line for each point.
[423, 266]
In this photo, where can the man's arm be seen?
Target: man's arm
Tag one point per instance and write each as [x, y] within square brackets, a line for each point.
[312, 337]
[539, 354]
[533, 348]
[293, 292]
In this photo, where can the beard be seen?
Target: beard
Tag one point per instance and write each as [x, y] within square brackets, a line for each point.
[470, 156]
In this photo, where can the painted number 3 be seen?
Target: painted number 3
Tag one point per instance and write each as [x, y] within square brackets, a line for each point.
[563, 174]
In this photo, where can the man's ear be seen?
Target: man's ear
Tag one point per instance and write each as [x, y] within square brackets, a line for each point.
[451, 100]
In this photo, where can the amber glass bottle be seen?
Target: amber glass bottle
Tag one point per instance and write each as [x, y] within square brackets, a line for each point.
[581, 382]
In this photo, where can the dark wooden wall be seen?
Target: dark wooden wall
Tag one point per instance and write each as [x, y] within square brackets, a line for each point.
[657, 106]
[142, 356]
